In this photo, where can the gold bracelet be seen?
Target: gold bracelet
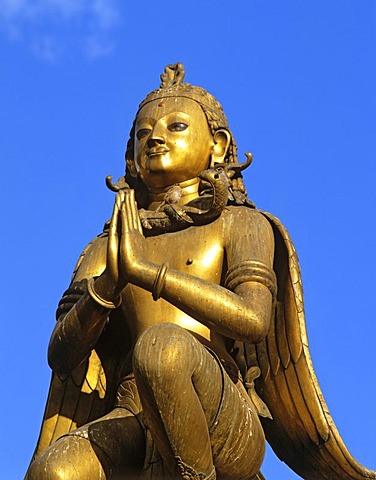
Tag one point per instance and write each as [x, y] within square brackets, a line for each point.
[159, 281]
[98, 299]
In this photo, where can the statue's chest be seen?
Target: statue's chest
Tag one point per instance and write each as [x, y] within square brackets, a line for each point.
[195, 250]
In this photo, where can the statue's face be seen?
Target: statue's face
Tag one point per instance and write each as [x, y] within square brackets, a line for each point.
[173, 142]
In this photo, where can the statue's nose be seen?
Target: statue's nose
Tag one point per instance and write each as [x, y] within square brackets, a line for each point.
[155, 140]
[156, 136]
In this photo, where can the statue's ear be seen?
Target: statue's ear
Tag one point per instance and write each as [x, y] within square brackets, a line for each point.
[222, 139]
[129, 160]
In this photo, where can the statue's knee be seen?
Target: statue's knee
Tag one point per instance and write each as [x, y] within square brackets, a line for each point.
[162, 350]
[45, 468]
[69, 458]
[34, 472]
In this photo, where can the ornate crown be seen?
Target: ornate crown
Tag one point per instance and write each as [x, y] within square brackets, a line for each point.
[172, 85]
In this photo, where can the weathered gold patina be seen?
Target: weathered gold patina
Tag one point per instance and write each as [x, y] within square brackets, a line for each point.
[184, 322]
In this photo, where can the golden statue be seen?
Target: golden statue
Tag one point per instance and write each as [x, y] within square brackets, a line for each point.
[184, 322]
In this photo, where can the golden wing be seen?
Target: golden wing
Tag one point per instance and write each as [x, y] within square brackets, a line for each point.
[73, 401]
[88, 392]
[302, 432]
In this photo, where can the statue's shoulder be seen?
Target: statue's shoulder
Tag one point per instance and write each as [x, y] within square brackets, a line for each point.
[244, 217]
[92, 260]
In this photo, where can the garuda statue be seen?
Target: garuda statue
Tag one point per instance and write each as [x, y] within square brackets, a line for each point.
[180, 344]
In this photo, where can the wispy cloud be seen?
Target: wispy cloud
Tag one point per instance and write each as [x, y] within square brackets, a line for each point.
[52, 28]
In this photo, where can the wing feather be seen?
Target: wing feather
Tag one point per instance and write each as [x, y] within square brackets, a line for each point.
[302, 433]
[54, 403]
[301, 405]
[85, 395]
[263, 359]
[293, 330]
[312, 400]
[278, 393]
[272, 349]
[281, 338]
[65, 422]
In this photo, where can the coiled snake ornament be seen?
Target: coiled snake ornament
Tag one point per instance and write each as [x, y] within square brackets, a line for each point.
[217, 189]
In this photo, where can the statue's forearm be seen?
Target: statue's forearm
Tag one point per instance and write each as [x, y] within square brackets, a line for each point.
[243, 315]
[241, 318]
[75, 334]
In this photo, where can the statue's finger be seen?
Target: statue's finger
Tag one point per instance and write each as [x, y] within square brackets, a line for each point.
[121, 196]
[114, 220]
[133, 205]
[113, 238]
[128, 211]
[139, 224]
[136, 215]
[124, 216]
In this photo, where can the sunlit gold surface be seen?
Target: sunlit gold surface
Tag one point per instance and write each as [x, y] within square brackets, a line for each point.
[198, 421]
[172, 142]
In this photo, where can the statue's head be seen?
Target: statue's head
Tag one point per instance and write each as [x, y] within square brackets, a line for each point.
[179, 131]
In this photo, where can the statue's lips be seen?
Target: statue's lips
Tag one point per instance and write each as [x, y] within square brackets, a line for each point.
[156, 152]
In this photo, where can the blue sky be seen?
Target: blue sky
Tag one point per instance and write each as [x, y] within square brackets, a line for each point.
[297, 81]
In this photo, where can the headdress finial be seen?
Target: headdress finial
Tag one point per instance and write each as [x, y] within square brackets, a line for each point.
[173, 75]
[172, 85]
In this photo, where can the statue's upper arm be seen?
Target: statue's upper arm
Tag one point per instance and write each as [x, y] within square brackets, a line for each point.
[250, 237]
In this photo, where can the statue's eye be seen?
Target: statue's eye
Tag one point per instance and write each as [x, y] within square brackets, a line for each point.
[142, 133]
[177, 127]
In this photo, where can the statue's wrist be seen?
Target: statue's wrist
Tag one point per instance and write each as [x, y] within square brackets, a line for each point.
[135, 271]
[145, 275]
[101, 298]
[159, 281]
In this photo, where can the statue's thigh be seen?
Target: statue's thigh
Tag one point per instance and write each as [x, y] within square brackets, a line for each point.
[112, 444]
[237, 437]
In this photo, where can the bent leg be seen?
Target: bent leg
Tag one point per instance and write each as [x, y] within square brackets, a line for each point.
[169, 365]
[182, 387]
[111, 447]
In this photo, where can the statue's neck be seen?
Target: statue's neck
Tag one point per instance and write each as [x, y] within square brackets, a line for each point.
[188, 192]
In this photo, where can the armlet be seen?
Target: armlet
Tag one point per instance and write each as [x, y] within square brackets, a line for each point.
[70, 297]
[251, 271]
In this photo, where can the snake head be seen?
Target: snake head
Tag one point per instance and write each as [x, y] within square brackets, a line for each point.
[121, 184]
[214, 175]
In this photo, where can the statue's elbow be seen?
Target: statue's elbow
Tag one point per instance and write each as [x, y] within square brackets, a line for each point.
[57, 366]
[256, 328]
[57, 358]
